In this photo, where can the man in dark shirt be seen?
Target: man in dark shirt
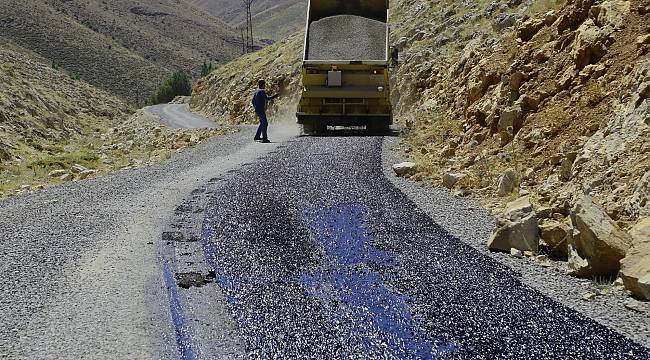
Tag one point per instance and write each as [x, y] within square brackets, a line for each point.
[259, 103]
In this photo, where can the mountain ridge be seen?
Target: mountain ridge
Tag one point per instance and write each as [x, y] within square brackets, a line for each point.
[125, 47]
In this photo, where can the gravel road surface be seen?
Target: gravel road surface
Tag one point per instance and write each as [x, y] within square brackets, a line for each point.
[176, 116]
[234, 249]
[80, 268]
[320, 256]
[456, 213]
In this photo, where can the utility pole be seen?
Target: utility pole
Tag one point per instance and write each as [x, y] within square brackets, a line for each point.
[249, 25]
[243, 44]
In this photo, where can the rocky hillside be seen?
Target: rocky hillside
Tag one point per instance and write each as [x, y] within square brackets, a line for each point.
[272, 19]
[559, 101]
[226, 94]
[54, 128]
[541, 102]
[556, 111]
[123, 46]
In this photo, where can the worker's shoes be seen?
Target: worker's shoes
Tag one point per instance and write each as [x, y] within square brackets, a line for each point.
[266, 141]
[257, 139]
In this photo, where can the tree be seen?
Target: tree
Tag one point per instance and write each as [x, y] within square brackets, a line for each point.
[178, 84]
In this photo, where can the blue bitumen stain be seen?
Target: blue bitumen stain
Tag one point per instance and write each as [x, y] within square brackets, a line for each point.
[357, 298]
[182, 330]
[353, 297]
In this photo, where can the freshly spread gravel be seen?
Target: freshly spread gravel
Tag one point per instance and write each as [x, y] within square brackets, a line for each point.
[347, 37]
[320, 255]
[465, 219]
[79, 267]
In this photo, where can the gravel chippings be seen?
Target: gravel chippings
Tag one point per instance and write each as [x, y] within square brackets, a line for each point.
[347, 37]
[321, 256]
[79, 265]
[467, 220]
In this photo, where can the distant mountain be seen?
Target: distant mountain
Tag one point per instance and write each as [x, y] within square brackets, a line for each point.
[272, 19]
[123, 46]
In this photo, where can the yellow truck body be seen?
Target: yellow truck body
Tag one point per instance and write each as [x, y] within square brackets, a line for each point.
[345, 92]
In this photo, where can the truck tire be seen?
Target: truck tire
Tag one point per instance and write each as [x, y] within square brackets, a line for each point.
[312, 129]
[306, 129]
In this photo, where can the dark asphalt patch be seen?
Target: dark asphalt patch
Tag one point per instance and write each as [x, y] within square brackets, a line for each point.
[321, 257]
[193, 279]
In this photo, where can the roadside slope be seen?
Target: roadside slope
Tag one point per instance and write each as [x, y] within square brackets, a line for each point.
[226, 93]
[560, 101]
[51, 123]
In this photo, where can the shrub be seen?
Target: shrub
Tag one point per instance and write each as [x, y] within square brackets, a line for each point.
[206, 69]
[179, 84]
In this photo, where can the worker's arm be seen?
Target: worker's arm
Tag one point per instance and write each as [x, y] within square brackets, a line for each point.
[269, 98]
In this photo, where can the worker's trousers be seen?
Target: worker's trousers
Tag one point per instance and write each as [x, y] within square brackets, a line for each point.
[264, 125]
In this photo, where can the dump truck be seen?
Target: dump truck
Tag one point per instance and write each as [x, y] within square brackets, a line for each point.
[345, 67]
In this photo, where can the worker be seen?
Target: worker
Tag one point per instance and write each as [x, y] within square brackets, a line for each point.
[259, 104]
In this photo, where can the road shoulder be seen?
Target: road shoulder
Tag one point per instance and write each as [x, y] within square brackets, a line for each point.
[467, 220]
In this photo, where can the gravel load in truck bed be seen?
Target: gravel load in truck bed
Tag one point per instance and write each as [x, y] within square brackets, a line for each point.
[347, 37]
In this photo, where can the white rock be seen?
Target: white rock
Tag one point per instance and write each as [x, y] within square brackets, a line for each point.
[517, 253]
[597, 240]
[507, 182]
[405, 168]
[77, 169]
[57, 173]
[85, 174]
[449, 180]
[516, 228]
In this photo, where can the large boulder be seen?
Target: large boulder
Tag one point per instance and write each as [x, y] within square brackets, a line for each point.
[555, 235]
[507, 182]
[635, 267]
[590, 45]
[516, 228]
[612, 13]
[597, 244]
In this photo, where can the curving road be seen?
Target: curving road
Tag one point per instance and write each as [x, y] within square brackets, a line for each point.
[176, 116]
[298, 249]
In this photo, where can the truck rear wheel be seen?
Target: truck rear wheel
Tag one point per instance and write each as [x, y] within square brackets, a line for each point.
[313, 129]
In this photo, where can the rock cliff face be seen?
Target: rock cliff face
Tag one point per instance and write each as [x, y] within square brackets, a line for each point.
[556, 110]
[561, 99]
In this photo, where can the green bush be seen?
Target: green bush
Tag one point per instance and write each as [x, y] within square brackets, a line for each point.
[206, 69]
[179, 84]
